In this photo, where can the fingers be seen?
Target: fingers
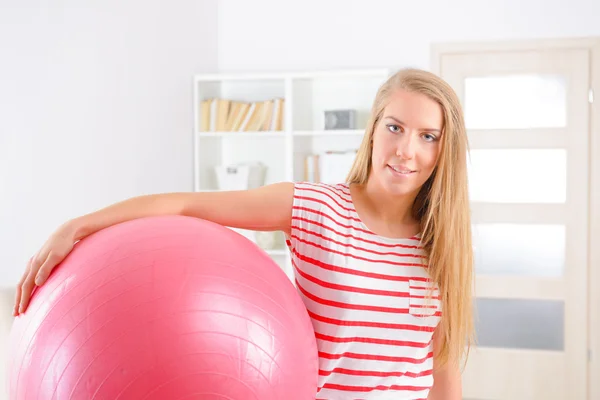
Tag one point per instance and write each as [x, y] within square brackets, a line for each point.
[19, 290]
[46, 268]
[17, 301]
[24, 288]
[36, 274]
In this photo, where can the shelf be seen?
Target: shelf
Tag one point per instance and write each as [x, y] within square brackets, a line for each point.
[286, 153]
[317, 74]
[350, 132]
[241, 134]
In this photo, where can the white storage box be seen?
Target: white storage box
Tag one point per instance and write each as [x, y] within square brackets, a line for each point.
[240, 176]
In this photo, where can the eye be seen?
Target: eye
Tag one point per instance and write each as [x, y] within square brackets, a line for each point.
[430, 137]
[393, 128]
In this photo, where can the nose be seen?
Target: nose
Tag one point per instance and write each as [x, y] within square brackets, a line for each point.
[405, 148]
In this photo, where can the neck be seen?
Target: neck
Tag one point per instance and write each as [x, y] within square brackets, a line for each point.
[393, 208]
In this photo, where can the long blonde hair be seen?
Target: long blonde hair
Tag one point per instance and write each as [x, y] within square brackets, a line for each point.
[441, 206]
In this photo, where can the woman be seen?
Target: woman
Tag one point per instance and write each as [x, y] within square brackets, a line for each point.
[383, 262]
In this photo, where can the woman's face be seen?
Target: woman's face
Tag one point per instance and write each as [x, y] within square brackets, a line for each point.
[406, 142]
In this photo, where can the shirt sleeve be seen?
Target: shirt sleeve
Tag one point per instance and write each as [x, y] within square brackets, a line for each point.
[307, 211]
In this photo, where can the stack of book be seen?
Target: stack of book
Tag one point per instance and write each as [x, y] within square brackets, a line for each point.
[223, 115]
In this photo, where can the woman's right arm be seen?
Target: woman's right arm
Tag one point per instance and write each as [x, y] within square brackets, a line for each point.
[268, 208]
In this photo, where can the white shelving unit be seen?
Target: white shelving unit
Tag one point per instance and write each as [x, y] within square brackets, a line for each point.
[306, 96]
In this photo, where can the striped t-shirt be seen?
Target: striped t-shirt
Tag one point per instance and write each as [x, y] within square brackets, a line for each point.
[367, 298]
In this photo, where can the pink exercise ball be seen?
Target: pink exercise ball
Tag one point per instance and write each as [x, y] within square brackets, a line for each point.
[164, 308]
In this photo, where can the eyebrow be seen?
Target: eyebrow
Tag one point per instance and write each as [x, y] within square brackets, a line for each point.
[402, 123]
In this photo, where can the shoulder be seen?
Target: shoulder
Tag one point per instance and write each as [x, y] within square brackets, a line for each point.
[319, 209]
[323, 193]
[340, 189]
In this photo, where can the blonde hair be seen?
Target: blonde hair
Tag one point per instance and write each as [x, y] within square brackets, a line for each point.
[441, 206]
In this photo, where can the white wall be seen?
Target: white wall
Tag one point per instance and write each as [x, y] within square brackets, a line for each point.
[95, 107]
[315, 34]
[95, 97]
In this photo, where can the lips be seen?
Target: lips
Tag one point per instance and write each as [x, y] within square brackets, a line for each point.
[401, 169]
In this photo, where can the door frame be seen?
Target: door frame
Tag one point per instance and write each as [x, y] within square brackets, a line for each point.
[592, 44]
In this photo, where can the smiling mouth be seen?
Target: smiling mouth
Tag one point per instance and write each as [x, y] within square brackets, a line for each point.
[401, 170]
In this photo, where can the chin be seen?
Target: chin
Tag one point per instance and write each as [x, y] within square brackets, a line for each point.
[399, 188]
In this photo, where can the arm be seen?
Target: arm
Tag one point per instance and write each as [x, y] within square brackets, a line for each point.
[266, 208]
[447, 384]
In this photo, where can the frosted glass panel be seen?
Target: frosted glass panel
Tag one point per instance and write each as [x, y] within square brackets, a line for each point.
[517, 249]
[515, 102]
[520, 324]
[518, 175]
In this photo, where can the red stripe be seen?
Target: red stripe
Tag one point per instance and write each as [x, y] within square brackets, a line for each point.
[384, 374]
[350, 306]
[358, 229]
[380, 253]
[334, 268]
[422, 306]
[324, 194]
[421, 315]
[375, 357]
[335, 191]
[354, 289]
[343, 188]
[383, 325]
[312, 199]
[347, 306]
[372, 260]
[347, 288]
[350, 236]
[329, 217]
[346, 388]
[356, 339]
[421, 287]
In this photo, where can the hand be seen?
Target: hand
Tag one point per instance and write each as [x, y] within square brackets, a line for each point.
[39, 267]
